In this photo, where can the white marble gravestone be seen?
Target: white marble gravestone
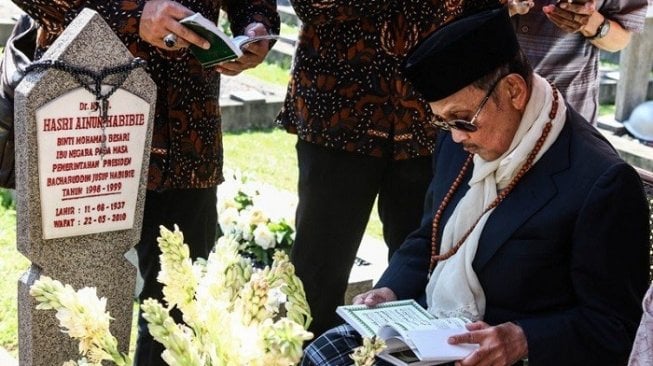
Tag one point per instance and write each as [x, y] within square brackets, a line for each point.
[80, 183]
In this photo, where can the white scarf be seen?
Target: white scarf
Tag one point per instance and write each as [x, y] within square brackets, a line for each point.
[454, 289]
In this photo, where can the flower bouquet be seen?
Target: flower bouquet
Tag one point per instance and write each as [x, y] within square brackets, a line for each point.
[234, 314]
[255, 217]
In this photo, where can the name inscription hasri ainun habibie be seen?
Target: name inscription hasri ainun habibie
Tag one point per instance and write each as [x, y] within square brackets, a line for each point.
[90, 169]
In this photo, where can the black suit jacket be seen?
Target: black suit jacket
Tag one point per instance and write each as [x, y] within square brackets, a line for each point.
[565, 255]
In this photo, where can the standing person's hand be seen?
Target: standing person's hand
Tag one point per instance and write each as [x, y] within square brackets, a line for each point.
[573, 17]
[501, 345]
[375, 296]
[253, 53]
[160, 18]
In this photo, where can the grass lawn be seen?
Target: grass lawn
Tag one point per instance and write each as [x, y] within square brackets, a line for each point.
[12, 266]
[271, 73]
[269, 156]
[606, 109]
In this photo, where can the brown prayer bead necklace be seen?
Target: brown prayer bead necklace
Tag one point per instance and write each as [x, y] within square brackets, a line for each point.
[435, 248]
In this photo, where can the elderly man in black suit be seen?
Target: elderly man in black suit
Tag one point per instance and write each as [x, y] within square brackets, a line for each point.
[535, 228]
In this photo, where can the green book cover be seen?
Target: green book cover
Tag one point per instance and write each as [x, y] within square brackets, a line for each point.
[222, 48]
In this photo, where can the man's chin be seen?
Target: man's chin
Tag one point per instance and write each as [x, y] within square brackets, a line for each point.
[472, 149]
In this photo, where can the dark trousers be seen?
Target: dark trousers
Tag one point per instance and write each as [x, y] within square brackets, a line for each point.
[194, 211]
[337, 190]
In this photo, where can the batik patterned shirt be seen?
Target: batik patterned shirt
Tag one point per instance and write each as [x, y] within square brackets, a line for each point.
[187, 141]
[347, 91]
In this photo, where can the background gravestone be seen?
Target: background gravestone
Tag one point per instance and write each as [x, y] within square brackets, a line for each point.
[636, 62]
[80, 183]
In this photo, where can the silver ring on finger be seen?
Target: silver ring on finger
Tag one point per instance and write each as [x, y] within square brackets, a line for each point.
[170, 40]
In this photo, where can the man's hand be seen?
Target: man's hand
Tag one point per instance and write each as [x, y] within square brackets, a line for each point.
[572, 17]
[375, 297]
[253, 53]
[160, 18]
[501, 345]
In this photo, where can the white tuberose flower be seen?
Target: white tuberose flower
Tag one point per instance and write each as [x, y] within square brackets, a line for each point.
[84, 314]
[264, 237]
[231, 311]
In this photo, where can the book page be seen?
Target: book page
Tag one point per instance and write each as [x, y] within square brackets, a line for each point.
[431, 344]
[405, 357]
[243, 40]
[368, 320]
[430, 338]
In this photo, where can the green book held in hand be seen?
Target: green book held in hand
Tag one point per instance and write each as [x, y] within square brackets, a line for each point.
[223, 48]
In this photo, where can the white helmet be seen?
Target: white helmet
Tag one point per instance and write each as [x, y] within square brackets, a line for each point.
[640, 123]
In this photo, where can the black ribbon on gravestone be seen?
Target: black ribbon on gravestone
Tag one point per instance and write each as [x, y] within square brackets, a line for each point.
[93, 82]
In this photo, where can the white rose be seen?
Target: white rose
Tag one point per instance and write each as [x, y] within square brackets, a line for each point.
[244, 227]
[228, 219]
[226, 203]
[257, 216]
[263, 237]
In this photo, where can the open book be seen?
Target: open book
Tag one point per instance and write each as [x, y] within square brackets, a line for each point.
[413, 336]
[223, 48]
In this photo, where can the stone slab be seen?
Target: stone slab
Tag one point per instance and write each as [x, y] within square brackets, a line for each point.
[248, 96]
[9, 12]
[6, 26]
[239, 116]
[287, 14]
[608, 123]
[631, 150]
[636, 61]
[609, 83]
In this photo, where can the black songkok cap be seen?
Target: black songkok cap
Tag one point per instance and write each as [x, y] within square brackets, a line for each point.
[460, 53]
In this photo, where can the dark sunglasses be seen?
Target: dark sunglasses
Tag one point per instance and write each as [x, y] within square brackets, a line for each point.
[462, 124]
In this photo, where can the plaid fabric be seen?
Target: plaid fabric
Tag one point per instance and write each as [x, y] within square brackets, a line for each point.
[334, 347]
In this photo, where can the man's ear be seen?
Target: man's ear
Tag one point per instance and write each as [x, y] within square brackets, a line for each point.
[517, 89]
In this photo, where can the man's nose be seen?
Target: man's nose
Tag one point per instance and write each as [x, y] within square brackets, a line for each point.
[458, 136]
